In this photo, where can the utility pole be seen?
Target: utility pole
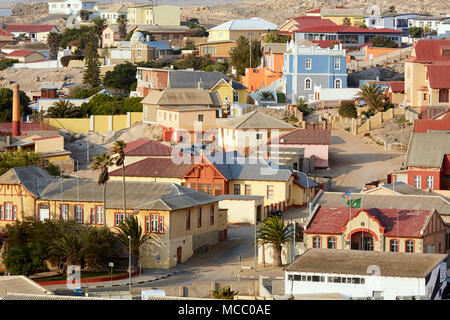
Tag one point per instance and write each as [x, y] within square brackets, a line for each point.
[250, 50]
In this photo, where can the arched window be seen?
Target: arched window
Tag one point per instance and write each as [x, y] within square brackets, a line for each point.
[317, 242]
[331, 243]
[308, 84]
[338, 83]
[409, 246]
[394, 246]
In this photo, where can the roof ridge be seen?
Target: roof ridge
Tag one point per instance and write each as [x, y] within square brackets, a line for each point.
[250, 115]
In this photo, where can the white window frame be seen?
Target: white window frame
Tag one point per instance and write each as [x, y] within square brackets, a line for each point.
[77, 212]
[154, 220]
[64, 213]
[336, 81]
[337, 64]
[418, 182]
[308, 64]
[310, 84]
[430, 182]
[99, 214]
[235, 96]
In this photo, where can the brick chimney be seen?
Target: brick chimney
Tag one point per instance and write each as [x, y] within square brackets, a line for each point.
[16, 111]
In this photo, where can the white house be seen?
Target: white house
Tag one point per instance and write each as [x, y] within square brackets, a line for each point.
[368, 274]
[111, 12]
[431, 22]
[69, 6]
[34, 32]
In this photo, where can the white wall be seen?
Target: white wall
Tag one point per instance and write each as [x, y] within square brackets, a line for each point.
[242, 211]
[390, 286]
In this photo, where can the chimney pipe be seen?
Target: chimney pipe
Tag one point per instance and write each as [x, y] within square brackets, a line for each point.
[16, 111]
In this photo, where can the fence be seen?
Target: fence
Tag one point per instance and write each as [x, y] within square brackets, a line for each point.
[97, 123]
[381, 59]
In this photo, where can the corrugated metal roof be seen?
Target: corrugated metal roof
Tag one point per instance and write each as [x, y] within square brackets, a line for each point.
[33, 178]
[178, 96]
[147, 147]
[305, 136]
[256, 120]
[23, 296]
[154, 167]
[404, 188]
[246, 24]
[391, 264]
[19, 285]
[427, 149]
[190, 79]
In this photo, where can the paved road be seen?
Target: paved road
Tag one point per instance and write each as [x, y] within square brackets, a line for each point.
[354, 163]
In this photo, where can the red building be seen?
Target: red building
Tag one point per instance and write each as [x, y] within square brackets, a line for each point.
[440, 122]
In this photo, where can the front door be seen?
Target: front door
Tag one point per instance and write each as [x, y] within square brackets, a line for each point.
[44, 212]
[179, 255]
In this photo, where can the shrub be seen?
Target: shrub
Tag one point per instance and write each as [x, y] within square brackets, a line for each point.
[5, 63]
[303, 107]
[65, 60]
[347, 109]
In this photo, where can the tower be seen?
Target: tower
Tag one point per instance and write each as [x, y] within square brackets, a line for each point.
[16, 111]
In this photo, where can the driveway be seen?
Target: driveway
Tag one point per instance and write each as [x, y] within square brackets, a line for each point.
[354, 162]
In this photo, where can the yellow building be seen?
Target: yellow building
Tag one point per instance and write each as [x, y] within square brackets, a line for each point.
[426, 83]
[253, 28]
[154, 15]
[183, 219]
[230, 91]
[339, 14]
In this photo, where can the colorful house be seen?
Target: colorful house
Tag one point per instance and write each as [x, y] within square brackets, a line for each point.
[25, 56]
[426, 80]
[440, 122]
[154, 15]
[230, 91]
[293, 24]
[307, 67]
[252, 28]
[35, 32]
[182, 218]
[396, 92]
[217, 50]
[339, 14]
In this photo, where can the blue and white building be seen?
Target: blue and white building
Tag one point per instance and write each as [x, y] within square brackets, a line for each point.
[395, 21]
[308, 66]
[69, 6]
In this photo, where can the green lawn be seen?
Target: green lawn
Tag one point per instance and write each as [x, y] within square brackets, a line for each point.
[84, 275]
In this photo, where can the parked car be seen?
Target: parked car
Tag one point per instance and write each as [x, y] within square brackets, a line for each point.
[277, 213]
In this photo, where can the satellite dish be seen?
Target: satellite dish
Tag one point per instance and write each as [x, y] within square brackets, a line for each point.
[73, 21]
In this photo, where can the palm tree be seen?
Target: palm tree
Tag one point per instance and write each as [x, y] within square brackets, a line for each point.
[266, 95]
[272, 230]
[130, 227]
[122, 22]
[63, 109]
[224, 293]
[118, 154]
[53, 42]
[373, 97]
[69, 248]
[99, 24]
[103, 162]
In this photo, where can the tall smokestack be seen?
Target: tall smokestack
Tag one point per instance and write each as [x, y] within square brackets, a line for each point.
[16, 111]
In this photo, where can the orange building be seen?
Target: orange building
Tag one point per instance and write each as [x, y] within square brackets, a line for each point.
[217, 49]
[373, 52]
[271, 67]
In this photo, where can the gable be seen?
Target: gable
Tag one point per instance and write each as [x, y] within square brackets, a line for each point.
[203, 171]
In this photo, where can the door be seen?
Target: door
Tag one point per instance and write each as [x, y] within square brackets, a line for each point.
[44, 212]
[179, 255]
[258, 213]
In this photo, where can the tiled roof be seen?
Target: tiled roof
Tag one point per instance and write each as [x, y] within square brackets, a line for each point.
[154, 167]
[5, 33]
[256, 120]
[247, 24]
[147, 147]
[330, 220]
[305, 136]
[347, 29]
[33, 28]
[428, 149]
[357, 262]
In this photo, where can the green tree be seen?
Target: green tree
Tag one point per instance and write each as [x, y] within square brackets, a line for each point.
[372, 96]
[63, 109]
[273, 37]
[224, 293]
[53, 42]
[102, 163]
[14, 159]
[6, 99]
[132, 104]
[273, 231]
[266, 95]
[347, 21]
[98, 25]
[82, 92]
[383, 42]
[347, 109]
[192, 61]
[121, 77]
[303, 107]
[415, 32]
[103, 247]
[70, 249]
[91, 75]
[130, 227]
[240, 56]
[122, 22]
[118, 158]
[6, 63]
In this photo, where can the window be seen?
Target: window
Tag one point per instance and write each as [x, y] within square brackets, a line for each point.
[317, 242]
[308, 84]
[147, 224]
[79, 213]
[417, 182]
[270, 192]
[308, 64]
[211, 215]
[337, 64]
[237, 189]
[154, 222]
[199, 217]
[430, 182]
[200, 118]
[394, 246]
[139, 53]
[99, 214]
[161, 225]
[443, 95]
[119, 218]
[235, 96]
[64, 211]
[165, 37]
[331, 243]
[248, 190]
[338, 83]
[409, 246]
[188, 219]
[259, 136]
[107, 36]
[251, 34]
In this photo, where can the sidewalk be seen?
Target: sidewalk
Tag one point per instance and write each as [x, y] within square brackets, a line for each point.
[248, 271]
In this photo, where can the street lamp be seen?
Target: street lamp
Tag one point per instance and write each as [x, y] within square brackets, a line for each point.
[129, 263]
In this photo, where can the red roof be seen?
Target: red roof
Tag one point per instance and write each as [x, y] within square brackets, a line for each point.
[5, 33]
[329, 220]
[31, 28]
[45, 138]
[430, 51]
[423, 125]
[20, 53]
[154, 167]
[438, 75]
[305, 136]
[147, 147]
[312, 22]
[326, 43]
[397, 86]
[347, 29]
[314, 11]
[6, 128]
